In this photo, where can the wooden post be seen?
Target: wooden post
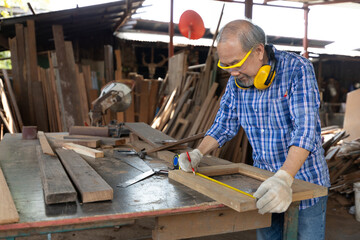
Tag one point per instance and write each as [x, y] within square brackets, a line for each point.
[306, 40]
[171, 29]
[248, 8]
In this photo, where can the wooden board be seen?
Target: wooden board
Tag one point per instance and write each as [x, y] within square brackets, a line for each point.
[200, 116]
[103, 140]
[301, 190]
[21, 68]
[8, 212]
[6, 107]
[69, 88]
[177, 69]
[45, 146]
[13, 98]
[38, 101]
[90, 184]
[208, 223]
[352, 115]
[91, 143]
[148, 134]
[91, 131]
[109, 63]
[31, 70]
[57, 186]
[226, 196]
[84, 150]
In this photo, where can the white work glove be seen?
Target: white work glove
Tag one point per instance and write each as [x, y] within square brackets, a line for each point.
[275, 194]
[184, 162]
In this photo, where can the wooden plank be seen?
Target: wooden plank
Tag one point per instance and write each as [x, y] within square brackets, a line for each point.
[84, 142]
[208, 223]
[68, 84]
[118, 71]
[89, 183]
[235, 200]
[89, 130]
[103, 140]
[177, 70]
[54, 93]
[159, 121]
[45, 146]
[21, 64]
[179, 106]
[83, 96]
[352, 115]
[109, 63]
[144, 100]
[8, 212]
[15, 68]
[13, 98]
[154, 88]
[57, 186]
[84, 150]
[200, 116]
[31, 65]
[7, 110]
[150, 135]
[301, 190]
[40, 113]
[87, 78]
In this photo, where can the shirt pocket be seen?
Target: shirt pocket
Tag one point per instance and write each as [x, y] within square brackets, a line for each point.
[280, 114]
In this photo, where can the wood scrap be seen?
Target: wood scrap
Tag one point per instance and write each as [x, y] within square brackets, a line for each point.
[84, 150]
[89, 183]
[8, 212]
[45, 146]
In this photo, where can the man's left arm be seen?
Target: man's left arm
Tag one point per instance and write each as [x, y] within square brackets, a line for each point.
[275, 194]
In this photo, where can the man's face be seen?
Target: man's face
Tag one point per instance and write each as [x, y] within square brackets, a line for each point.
[231, 53]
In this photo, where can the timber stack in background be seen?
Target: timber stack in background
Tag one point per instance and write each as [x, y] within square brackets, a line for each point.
[60, 96]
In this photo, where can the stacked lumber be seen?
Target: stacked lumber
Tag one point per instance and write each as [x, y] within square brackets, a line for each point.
[9, 112]
[55, 98]
[343, 160]
[191, 108]
[144, 99]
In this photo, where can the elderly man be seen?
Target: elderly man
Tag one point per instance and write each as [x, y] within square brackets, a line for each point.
[274, 96]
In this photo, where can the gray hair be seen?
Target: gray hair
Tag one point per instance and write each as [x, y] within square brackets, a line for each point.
[248, 34]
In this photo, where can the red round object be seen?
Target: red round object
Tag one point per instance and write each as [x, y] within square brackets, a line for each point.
[191, 25]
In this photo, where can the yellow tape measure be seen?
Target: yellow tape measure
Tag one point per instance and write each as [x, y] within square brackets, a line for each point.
[225, 185]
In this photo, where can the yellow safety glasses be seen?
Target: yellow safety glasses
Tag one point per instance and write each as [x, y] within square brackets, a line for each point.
[237, 66]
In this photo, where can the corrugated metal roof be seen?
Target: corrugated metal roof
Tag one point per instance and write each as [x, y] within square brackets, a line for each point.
[83, 21]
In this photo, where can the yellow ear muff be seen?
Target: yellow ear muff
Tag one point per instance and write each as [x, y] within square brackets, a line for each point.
[261, 80]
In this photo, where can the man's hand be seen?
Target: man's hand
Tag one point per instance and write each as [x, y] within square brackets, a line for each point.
[184, 162]
[275, 194]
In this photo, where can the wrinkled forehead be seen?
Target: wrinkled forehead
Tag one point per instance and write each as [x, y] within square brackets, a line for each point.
[230, 51]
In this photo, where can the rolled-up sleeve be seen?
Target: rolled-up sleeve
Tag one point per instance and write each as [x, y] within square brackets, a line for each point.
[304, 108]
[226, 124]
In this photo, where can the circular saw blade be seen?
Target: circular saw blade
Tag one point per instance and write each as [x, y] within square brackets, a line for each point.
[122, 105]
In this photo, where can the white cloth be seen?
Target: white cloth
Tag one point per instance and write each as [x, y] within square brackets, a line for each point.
[275, 194]
[184, 162]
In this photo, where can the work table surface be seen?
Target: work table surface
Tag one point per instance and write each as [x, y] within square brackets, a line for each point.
[154, 196]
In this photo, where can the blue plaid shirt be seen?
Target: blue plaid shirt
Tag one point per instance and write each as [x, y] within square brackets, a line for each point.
[283, 115]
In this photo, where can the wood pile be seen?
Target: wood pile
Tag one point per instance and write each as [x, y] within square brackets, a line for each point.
[343, 159]
[191, 108]
[61, 96]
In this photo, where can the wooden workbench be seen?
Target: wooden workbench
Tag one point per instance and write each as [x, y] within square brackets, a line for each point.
[173, 205]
